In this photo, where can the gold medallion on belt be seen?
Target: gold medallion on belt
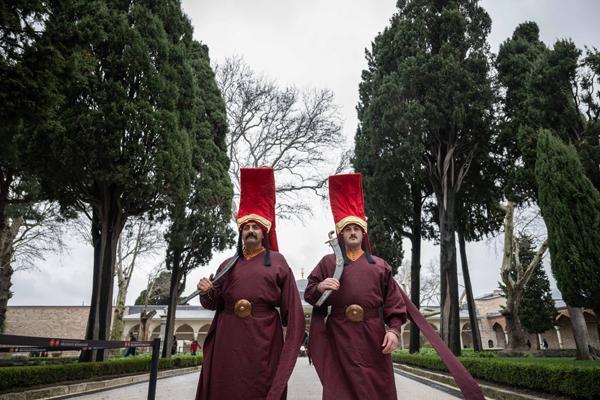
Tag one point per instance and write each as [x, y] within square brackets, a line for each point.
[242, 308]
[355, 313]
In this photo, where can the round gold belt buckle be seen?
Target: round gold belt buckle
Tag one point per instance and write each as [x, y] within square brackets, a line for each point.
[242, 308]
[355, 313]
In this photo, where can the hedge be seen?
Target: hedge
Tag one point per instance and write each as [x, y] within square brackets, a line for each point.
[572, 381]
[22, 377]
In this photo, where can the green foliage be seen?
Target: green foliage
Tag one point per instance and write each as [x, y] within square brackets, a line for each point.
[427, 83]
[571, 208]
[160, 291]
[560, 378]
[549, 88]
[22, 377]
[201, 213]
[426, 113]
[121, 77]
[537, 311]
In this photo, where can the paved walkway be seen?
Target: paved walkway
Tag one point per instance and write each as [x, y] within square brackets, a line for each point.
[303, 385]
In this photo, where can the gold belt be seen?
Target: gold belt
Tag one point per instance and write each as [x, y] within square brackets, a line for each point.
[244, 308]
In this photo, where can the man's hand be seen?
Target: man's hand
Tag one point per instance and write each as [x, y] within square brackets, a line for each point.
[390, 342]
[204, 285]
[328, 284]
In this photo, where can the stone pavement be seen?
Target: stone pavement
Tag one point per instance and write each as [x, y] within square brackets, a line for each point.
[304, 385]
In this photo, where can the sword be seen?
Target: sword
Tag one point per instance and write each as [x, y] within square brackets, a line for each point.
[229, 265]
[339, 265]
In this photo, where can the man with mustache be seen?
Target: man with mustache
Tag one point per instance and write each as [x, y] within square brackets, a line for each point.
[351, 351]
[351, 345]
[245, 355]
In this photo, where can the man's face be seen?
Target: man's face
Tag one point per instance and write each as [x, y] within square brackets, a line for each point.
[252, 235]
[352, 235]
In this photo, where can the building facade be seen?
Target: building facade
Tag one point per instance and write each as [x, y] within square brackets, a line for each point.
[193, 321]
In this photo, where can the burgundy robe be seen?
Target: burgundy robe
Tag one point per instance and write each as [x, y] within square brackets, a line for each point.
[347, 355]
[248, 358]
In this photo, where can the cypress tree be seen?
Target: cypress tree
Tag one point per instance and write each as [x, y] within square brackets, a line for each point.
[571, 208]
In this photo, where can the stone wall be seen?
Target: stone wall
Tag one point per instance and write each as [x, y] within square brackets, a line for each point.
[47, 321]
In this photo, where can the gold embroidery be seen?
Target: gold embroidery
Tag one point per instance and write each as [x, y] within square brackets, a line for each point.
[350, 219]
[255, 217]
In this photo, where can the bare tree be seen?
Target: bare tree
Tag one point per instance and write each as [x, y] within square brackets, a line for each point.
[515, 282]
[140, 238]
[430, 281]
[146, 315]
[28, 236]
[297, 133]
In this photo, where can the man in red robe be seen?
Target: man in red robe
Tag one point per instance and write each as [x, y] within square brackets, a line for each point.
[245, 354]
[351, 350]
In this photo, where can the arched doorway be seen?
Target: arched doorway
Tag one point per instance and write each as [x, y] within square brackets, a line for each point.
[467, 336]
[500, 336]
[405, 343]
[424, 341]
[592, 326]
[566, 332]
[135, 330]
[202, 332]
[185, 335]
[155, 332]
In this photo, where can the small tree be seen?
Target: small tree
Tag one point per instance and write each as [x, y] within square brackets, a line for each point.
[537, 312]
[157, 290]
[515, 274]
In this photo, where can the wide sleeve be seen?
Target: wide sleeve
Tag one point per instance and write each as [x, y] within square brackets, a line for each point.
[311, 293]
[213, 298]
[394, 308]
[292, 316]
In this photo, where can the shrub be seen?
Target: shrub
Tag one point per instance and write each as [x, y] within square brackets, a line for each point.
[576, 382]
[21, 377]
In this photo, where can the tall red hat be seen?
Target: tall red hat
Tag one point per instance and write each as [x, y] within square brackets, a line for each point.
[257, 201]
[346, 198]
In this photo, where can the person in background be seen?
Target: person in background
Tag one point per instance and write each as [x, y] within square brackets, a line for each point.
[194, 347]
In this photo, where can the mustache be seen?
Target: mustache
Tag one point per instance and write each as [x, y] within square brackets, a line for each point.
[251, 234]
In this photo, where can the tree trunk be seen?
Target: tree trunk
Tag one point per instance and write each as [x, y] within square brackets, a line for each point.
[580, 333]
[469, 291]
[517, 338]
[7, 236]
[145, 318]
[117, 327]
[450, 329]
[415, 269]
[6, 272]
[597, 313]
[107, 224]
[172, 307]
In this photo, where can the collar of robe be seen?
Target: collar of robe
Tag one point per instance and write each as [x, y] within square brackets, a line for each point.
[354, 255]
[248, 254]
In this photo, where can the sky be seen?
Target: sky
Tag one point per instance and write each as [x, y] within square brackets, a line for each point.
[308, 44]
